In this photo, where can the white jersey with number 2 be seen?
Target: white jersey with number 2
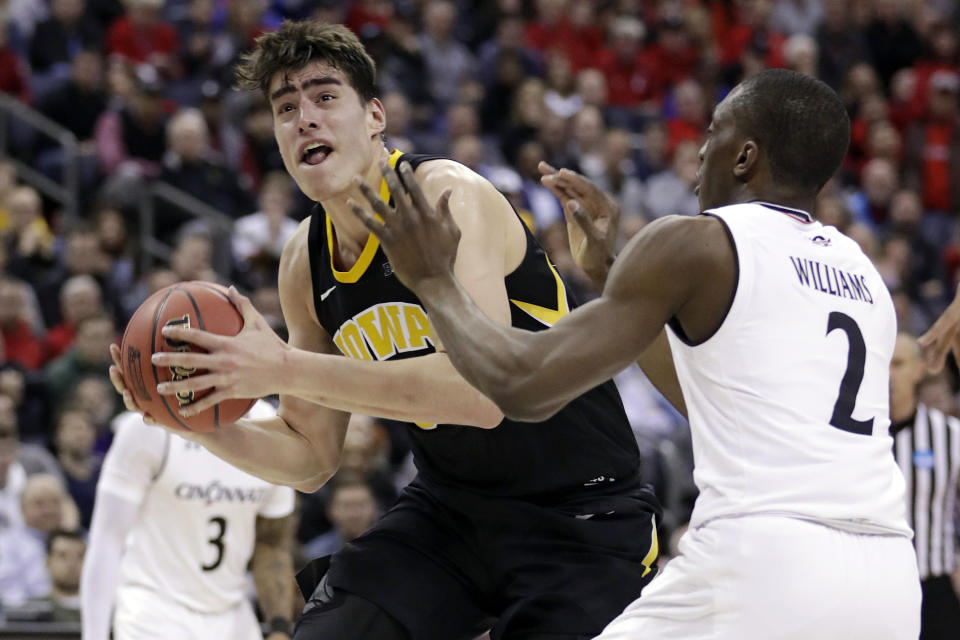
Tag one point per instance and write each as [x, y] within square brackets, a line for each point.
[788, 400]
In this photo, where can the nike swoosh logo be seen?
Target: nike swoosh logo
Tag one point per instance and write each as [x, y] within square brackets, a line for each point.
[326, 293]
[546, 315]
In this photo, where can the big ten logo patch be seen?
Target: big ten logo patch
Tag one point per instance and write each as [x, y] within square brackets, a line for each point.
[181, 373]
[383, 331]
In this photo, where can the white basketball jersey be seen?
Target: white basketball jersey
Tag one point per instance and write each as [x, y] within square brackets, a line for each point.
[195, 532]
[788, 400]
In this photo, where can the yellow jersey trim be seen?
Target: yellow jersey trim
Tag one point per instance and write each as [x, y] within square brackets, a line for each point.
[370, 249]
[654, 551]
[546, 315]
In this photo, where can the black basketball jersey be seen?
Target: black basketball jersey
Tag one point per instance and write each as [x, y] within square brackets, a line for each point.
[371, 315]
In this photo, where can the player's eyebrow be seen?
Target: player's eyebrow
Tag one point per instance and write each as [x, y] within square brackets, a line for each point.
[312, 82]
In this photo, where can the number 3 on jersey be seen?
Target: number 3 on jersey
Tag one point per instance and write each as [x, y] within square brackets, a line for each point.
[217, 542]
[850, 384]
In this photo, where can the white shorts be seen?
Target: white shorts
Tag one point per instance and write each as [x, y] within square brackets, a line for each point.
[778, 578]
[142, 614]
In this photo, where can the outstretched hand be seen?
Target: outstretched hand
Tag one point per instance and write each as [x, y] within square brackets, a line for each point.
[592, 216]
[942, 337]
[420, 240]
[248, 365]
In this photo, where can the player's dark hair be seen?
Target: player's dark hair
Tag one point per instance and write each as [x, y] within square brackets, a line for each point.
[298, 43]
[70, 534]
[800, 123]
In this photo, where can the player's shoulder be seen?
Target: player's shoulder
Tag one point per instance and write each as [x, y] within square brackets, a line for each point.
[131, 433]
[296, 250]
[439, 174]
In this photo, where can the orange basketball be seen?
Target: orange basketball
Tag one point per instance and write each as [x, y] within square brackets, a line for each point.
[200, 305]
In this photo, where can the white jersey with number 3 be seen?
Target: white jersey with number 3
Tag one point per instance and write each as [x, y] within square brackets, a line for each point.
[788, 400]
[196, 528]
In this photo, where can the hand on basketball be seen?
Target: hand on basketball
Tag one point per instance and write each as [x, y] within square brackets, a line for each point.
[116, 377]
[247, 365]
[942, 337]
[592, 219]
[420, 240]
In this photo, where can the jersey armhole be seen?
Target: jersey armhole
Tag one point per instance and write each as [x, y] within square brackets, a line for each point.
[674, 323]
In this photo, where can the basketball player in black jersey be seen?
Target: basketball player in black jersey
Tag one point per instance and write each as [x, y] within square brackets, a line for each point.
[541, 530]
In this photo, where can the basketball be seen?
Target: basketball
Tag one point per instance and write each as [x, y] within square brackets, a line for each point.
[200, 305]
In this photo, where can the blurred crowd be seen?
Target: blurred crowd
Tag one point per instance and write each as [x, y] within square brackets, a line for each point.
[620, 90]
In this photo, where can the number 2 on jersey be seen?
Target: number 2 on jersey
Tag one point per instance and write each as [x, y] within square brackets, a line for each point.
[850, 384]
[216, 541]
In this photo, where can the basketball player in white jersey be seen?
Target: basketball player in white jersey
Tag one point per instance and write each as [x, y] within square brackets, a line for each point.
[174, 528]
[781, 333]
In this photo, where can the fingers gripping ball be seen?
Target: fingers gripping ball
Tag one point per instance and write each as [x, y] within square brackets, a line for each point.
[199, 305]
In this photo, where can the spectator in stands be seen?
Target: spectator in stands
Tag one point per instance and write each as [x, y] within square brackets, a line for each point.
[23, 572]
[891, 39]
[260, 154]
[449, 63]
[95, 397]
[28, 458]
[59, 38]
[23, 566]
[627, 71]
[131, 136]
[841, 45]
[190, 165]
[142, 37]
[89, 355]
[870, 204]
[81, 255]
[17, 339]
[690, 120]
[64, 562]
[672, 57]
[192, 258]
[618, 179]
[587, 134]
[258, 239]
[932, 150]
[79, 299]
[671, 192]
[28, 236]
[77, 104]
[73, 439]
[800, 54]
[28, 392]
[351, 509]
[14, 76]
[796, 16]
[115, 245]
[592, 88]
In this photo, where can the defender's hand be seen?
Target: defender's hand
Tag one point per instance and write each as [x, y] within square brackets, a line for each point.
[248, 365]
[942, 337]
[593, 218]
[420, 240]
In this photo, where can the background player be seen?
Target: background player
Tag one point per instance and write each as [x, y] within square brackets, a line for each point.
[174, 528]
[781, 332]
[468, 539]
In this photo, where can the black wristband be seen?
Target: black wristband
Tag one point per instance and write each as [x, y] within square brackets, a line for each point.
[281, 624]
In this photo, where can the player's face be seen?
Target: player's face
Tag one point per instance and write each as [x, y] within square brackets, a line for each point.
[327, 135]
[718, 154]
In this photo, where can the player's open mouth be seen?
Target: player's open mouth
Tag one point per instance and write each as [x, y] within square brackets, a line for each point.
[315, 153]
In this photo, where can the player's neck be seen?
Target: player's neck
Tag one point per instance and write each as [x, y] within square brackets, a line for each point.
[783, 196]
[348, 228]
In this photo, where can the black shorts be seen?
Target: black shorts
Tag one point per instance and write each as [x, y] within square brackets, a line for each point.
[443, 562]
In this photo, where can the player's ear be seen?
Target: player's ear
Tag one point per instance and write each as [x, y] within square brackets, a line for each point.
[376, 117]
[748, 157]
